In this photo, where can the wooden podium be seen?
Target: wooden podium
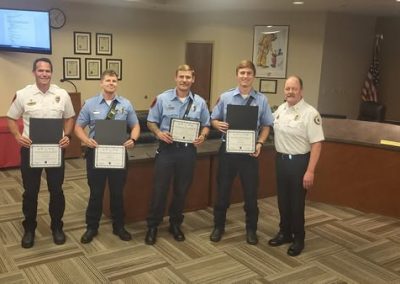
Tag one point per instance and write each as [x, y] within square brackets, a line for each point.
[74, 149]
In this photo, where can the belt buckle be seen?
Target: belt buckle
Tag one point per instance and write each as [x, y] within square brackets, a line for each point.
[290, 157]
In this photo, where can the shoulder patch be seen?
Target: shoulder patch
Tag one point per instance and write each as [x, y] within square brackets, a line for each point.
[317, 120]
[154, 102]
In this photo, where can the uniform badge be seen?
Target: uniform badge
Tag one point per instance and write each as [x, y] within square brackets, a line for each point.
[31, 103]
[57, 99]
[317, 120]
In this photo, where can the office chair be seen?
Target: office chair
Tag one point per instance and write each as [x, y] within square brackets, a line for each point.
[371, 111]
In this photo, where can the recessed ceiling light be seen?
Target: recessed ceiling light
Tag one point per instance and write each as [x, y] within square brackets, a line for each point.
[302, 2]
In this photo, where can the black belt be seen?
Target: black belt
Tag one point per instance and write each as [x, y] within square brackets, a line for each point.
[176, 145]
[291, 156]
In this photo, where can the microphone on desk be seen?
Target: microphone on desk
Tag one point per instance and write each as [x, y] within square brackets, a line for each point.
[66, 80]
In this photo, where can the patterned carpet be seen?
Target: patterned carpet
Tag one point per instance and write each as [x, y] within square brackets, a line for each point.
[342, 245]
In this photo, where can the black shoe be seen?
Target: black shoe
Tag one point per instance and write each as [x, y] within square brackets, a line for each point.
[88, 236]
[216, 234]
[151, 236]
[58, 237]
[296, 248]
[251, 237]
[177, 233]
[28, 239]
[123, 234]
[279, 240]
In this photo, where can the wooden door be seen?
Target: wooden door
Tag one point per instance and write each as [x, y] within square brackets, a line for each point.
[199, 56]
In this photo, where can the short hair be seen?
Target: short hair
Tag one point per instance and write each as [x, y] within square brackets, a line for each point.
[43, 59]
[108, 72]
[298, 79]
[246, 64]
[184, 67]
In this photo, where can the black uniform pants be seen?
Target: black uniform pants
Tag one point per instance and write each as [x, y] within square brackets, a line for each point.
[97, 179]
[291, 193]
[174, 162]
[230, 165]
[31, 183]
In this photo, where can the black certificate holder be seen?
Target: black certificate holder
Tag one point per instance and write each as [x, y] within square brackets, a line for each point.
[242, 117]
[110, 132]
[45, 130]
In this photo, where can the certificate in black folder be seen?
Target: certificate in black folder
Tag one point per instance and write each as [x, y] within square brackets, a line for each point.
[242, 120]
[242, 117]
[110, 135]
[110, 132]
[45, 130]
[45, 134]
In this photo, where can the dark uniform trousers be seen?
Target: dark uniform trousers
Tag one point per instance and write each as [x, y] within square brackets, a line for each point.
[97, 179]
[31, 181]
[174, 162]
[291, 193]
[229, 166]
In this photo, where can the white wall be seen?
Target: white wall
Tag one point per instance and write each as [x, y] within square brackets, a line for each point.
[347, 55]
[390, 66]
[232, 34]
[330, 54]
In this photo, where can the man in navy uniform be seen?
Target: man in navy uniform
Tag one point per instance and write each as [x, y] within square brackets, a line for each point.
[246, 165]
[174, 159]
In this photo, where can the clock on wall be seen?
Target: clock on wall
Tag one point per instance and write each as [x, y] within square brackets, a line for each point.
[57, 18]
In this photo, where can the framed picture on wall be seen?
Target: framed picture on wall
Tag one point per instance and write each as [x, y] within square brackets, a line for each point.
[116, 65]
[103, 44]
[72, 68]
[270, 45]
[82, 43]
[268, 86]
[93, 68]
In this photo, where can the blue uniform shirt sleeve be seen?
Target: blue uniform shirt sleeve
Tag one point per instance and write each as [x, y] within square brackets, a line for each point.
[204, 115]
[84, 116]
[266, 118]
[218, 110]
[155, 111]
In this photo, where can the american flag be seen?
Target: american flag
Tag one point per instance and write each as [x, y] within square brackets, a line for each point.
[369, 90]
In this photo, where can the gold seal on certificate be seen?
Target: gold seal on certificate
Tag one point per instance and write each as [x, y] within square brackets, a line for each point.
[45, 156]
[240, 141]
[109, 157]
[185, 131]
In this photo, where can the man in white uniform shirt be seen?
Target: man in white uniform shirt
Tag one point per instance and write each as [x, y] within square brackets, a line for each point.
[41, 100]
[298, 134]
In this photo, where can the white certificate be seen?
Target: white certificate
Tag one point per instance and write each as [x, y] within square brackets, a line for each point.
[185, 131]
[109, 157]
[240, 141]
[45, 156]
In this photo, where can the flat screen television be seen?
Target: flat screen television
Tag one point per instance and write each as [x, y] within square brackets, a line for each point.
[25, 31]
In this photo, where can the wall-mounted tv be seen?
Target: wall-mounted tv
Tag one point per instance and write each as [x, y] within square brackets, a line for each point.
[25, 31]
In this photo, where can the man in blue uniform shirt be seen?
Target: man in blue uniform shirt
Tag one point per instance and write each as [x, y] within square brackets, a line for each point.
[106, 105]
[174, 159]
[246, 165]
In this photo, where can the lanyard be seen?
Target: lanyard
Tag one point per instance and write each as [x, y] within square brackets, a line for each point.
[249, 100]
[188, 107]
[112, 112]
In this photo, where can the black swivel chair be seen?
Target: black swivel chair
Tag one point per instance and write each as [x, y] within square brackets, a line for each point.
[372, 111]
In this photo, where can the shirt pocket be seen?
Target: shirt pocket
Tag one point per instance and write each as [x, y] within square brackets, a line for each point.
[296, 127]
[56, 111]
[34, 110]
